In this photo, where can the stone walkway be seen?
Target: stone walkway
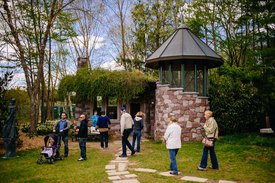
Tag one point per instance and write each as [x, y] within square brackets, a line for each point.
[117, 171]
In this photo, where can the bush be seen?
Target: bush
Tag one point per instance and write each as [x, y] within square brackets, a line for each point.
[42, 128]
[235, 102]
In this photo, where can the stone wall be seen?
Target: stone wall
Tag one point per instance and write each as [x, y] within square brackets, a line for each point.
[187, 107]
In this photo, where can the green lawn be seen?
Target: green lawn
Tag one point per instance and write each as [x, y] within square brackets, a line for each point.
[242, 158]
[237, 160]
[25, 169]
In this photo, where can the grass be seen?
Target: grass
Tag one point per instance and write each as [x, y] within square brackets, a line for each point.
[242, 158]
[25, 169]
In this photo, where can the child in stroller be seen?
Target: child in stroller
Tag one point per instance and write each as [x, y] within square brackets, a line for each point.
[48, 151]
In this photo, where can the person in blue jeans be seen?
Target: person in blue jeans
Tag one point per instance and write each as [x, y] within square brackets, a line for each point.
[172, 138]
[62, 128]
[211, 132]
[82, 135]
[138, 126]
[103, 124]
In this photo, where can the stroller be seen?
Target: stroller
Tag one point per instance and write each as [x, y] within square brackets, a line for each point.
[48, 151]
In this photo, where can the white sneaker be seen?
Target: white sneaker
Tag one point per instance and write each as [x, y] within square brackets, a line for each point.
[81, 159]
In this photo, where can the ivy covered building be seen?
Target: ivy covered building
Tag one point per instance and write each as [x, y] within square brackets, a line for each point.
[183, 62]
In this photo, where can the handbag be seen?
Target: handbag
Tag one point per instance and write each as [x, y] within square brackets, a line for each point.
[209, 142]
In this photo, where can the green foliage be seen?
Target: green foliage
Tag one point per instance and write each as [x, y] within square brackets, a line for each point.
[234, 100]
[99, 82]
[42, 128]
[66, 85]
[153, 22]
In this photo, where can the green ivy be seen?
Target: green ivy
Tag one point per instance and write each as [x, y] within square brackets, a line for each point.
[100, 82]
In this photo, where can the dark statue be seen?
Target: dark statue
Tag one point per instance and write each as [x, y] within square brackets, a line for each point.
[10, 131]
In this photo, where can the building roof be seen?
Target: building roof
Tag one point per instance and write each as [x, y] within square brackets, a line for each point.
[183, 45]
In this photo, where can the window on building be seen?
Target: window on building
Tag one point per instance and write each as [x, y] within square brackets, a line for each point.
[176, 75]
[200, 80]
[165, 73]
[189, 79]
[112, 107]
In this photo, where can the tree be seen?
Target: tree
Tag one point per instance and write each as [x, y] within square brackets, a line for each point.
[119, 11]
[153, 22]
[88, 15]
[29, 23]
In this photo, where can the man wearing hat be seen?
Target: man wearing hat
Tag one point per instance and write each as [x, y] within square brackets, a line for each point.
[126, 124]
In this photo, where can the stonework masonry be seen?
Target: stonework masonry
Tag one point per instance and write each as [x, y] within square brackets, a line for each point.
[187, 107]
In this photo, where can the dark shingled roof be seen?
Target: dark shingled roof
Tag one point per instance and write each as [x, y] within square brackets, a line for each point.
[183, 45]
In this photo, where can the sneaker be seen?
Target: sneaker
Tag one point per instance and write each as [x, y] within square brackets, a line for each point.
[173, 173]
[65, 155]
[200, 168]
[133, 152]
[122, 156]
[81, 159]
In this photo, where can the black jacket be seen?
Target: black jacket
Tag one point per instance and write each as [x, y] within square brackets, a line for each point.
[83, 129]
[138, 123]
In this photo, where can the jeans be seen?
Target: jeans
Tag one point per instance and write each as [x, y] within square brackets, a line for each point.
[173, 162]
[82, 146]
[125, 141]
[213, 157]
[136, 135]
[103, 139]
[66, 147]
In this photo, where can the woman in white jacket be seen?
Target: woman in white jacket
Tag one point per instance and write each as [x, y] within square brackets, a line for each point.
[172, 139]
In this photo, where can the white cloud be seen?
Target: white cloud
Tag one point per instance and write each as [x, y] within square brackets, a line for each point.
[96, 42]
[112, 65]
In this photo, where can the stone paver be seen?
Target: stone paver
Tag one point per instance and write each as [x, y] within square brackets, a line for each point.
[127, 181]
[145, 170]
[122, 166]
[119, 161]
[194, 179]
[110, 171]
[110, 167]
[114, 178]
[118, 173]
[131, 176]
[167, 174]
[226, 181]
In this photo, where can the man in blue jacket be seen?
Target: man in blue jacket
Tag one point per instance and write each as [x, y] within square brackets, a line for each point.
[62, 128]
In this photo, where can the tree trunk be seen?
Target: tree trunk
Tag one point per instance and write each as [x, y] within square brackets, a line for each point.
[33, 115]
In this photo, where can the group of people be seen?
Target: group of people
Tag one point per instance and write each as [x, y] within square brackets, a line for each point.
[128, 125]
[102, 124]
[172, 138]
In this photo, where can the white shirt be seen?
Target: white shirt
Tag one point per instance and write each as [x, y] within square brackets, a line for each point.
[126, 122]
[173, 136]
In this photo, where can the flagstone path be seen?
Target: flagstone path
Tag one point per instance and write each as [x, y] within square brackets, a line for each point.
[117, 171]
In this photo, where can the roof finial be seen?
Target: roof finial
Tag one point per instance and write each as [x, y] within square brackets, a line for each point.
[181, 15]
[182, 10]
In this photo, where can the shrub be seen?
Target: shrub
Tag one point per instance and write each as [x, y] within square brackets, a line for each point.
[234, 101]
